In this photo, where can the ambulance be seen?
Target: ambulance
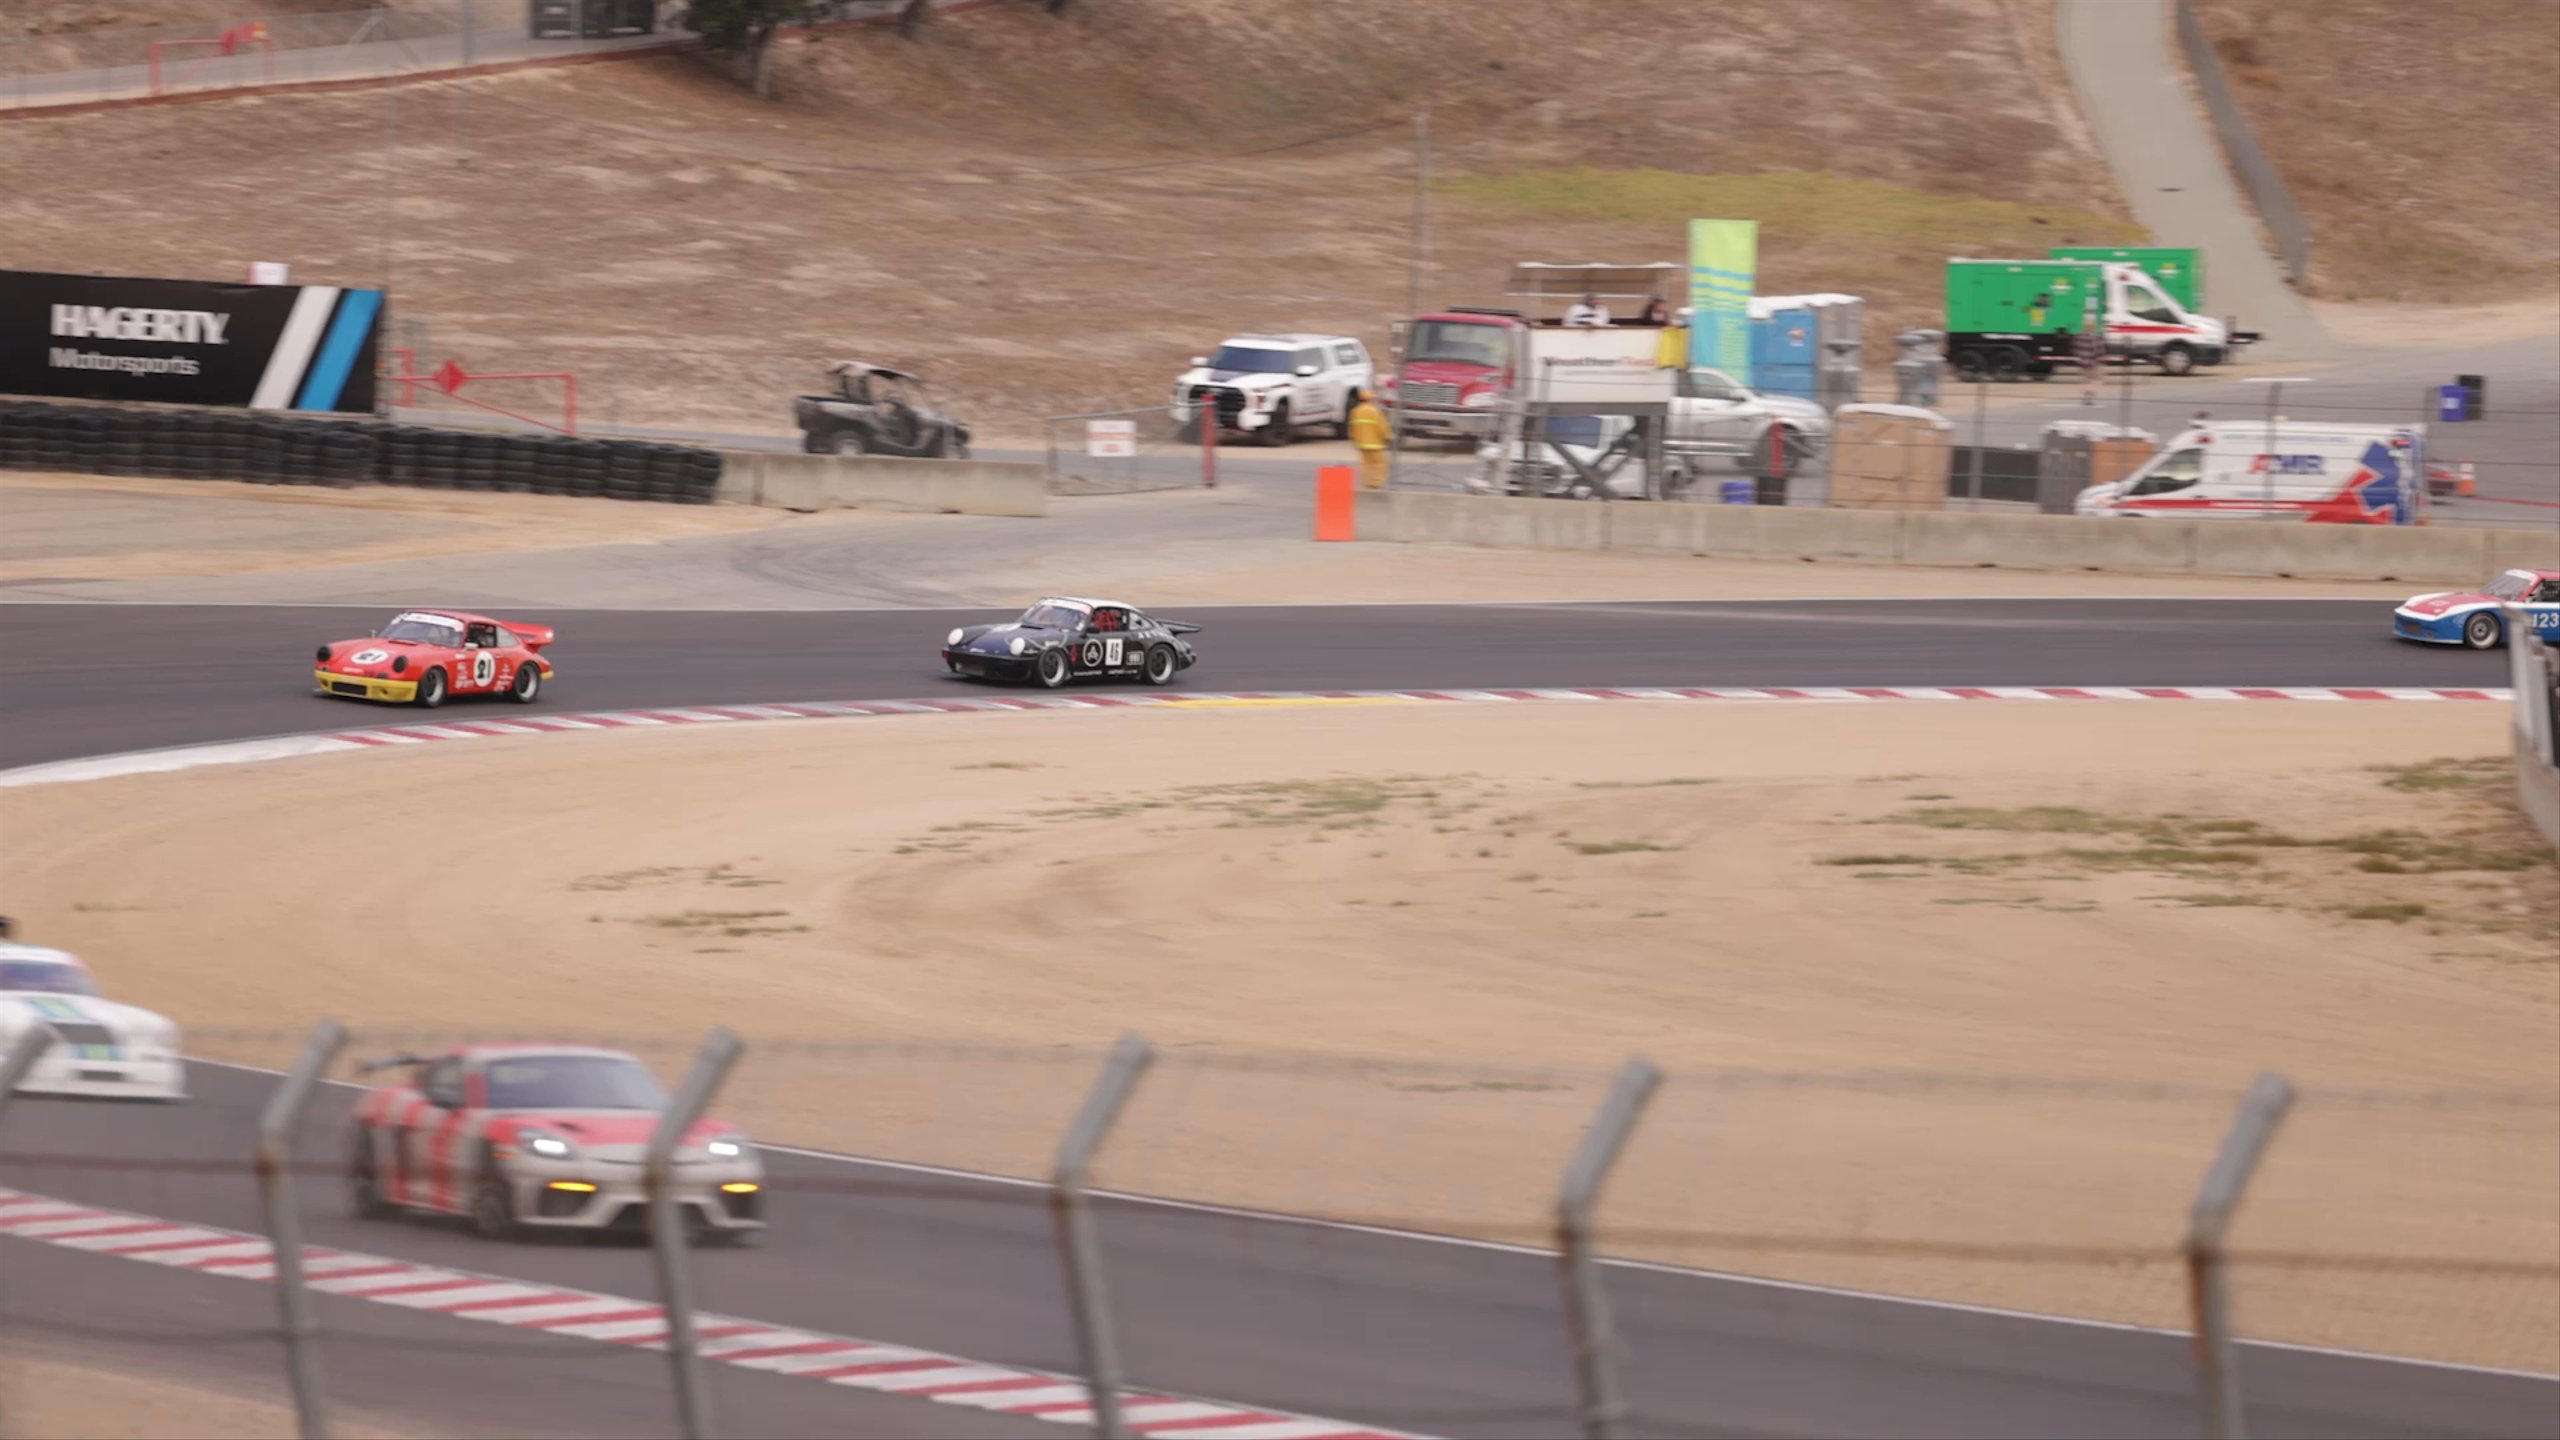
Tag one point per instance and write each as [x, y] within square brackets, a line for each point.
[2330, 474]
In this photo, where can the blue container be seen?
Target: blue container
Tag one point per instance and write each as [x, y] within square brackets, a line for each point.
[1740, 491]
[2453, 402]
[1786, 348]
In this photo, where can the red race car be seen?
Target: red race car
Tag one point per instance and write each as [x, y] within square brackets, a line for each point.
[422, 656]
[518, 1138]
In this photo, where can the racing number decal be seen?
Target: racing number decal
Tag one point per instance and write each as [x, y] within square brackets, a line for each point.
[1111, 651]
[484, 668]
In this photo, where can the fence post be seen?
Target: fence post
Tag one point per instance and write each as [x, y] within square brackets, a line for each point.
[277, 1125]
[1586, 1308]
[1204, 409]
[1078, 1248]
[666, 1227]
[2217, 1364]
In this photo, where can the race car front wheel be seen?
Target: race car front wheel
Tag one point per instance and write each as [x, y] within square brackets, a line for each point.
[1053, 668]
[493, 1210]
[1160, 665]
[431, 689]
[364, 1187]
[2481, 631]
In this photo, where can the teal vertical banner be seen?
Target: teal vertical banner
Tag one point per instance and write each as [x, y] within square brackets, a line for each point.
[1724, 257]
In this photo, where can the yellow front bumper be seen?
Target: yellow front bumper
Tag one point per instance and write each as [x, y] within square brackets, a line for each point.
[365, 687]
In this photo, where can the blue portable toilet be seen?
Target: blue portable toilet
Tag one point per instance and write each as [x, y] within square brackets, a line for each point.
[1786, 351]
[2453, 402]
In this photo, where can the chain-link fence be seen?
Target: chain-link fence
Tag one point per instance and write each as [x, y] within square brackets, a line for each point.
[1119, 452]
[918, 1202]
[252, 49]
[2263, 449]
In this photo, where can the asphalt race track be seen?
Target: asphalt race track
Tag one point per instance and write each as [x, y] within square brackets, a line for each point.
[1411, 1333]
[1407, 1332]
[78, 680]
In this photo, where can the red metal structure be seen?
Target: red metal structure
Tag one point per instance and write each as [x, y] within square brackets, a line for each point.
[450, 377]
[229, 42]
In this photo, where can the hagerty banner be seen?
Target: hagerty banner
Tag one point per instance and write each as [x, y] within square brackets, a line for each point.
[188, 342]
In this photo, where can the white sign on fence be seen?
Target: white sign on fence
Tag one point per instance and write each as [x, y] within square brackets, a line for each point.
[1111, 437]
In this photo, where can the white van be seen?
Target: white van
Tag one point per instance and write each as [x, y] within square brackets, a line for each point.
[2337, 474]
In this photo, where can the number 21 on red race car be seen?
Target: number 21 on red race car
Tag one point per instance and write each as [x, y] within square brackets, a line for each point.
[484, 669]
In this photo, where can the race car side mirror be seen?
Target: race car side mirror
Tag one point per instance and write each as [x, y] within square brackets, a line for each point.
[1304, 371]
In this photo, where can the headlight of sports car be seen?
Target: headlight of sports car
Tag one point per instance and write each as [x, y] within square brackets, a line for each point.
[1016, 646]
[953, 638]
[549, 1147]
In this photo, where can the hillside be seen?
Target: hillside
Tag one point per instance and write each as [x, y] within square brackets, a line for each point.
[1046, 215]
[2422, 142]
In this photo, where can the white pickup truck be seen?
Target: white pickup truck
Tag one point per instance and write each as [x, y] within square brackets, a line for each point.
[1269, 385]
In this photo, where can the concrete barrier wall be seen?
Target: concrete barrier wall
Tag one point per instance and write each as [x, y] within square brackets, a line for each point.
[881, 482]
[2417, 554]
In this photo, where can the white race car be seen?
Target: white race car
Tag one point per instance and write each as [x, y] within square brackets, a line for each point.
[100, 1047]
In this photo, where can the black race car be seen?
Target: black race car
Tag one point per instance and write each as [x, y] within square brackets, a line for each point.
[1062, 638]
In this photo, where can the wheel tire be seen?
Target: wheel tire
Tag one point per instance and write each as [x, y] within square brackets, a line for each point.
[1970, 367]
[1279, 432]
[2482, 631]
[1162, 665]
[1053, 670]
[2177, 360]
[493, 1210]
[818, 442]
[431, 689]
[364, 1188]
[528, 683]
[2006, 362]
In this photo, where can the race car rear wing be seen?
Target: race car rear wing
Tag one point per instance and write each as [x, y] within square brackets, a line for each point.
[1180, 627]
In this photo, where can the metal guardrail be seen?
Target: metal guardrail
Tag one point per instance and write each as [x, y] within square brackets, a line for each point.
[2266, 187]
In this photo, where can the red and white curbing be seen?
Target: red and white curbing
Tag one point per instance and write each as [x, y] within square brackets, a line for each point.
[284, 747]
[802, 1354]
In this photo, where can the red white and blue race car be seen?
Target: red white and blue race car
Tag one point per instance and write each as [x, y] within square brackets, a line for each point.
[422, 656]
[541, 1137]
[2476, 618]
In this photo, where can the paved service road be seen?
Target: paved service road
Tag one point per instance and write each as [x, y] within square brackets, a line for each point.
[1409, 1332]
[2123, 63]
[92, 679]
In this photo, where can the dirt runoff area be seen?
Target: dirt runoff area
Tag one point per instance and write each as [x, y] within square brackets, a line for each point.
[1955, 999]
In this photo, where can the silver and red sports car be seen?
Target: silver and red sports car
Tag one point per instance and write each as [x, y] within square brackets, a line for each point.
[517, 1138]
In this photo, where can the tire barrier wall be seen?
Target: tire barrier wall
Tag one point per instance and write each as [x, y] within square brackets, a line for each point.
[2417, 554]
[274, 450]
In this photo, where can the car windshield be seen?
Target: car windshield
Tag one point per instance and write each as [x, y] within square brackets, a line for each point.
[425, 629]
[2510, 586]
[1052, 617]
[1451, 341]
[50, 977]
[1250, 358]
[572, 1082]
[1582, 430]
